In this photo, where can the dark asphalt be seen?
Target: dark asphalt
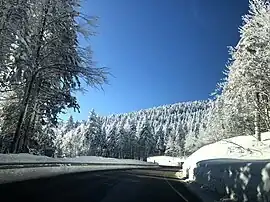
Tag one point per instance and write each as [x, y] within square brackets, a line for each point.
[102, 186]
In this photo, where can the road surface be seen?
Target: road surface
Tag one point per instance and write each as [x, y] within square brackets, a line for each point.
[137, 185]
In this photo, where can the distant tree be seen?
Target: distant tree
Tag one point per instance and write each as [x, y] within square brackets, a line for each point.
[179, 140]
[146, 140]
[70, 124]
[93, 135]
[112, 142]
[160, 146]
[140, 134]
[133, 142]
[76, 124]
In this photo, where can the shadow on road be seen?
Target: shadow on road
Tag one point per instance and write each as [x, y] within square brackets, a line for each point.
[99, 186]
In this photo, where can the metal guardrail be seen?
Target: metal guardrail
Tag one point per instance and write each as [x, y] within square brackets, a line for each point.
[15, 165]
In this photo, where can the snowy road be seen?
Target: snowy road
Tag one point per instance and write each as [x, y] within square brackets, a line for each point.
[106, 186]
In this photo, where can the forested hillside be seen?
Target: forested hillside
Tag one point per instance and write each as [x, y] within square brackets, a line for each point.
[240, 106]
[169, 129]
[43, 66]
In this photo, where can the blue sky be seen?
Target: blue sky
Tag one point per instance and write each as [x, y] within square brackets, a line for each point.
[159, 51]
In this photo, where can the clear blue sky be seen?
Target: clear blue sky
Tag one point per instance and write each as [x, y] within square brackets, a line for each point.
[160, 51]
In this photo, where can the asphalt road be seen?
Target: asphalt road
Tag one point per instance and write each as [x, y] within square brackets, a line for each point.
[142, 185]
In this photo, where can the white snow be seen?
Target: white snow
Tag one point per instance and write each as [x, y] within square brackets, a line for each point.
[166, 160]
[240, 147]
[29, 158]
[97, 159]
[237, 167]
[24, 158]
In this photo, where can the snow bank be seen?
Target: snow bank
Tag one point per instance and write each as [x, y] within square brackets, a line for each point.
[24, 158]
[29, 158]
[166, 160]
[98, 159]
[240, 147]
[244, 180]
[238, 167]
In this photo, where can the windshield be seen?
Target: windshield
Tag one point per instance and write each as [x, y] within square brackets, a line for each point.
[178, 87]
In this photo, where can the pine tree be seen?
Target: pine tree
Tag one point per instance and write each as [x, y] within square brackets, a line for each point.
[146, 140]
[160, 146]
[70, 124]
[93, 134]
[245, 90]
[170, 146]
[41, 62]
[112, 142]
[143, 133]
[133, 142]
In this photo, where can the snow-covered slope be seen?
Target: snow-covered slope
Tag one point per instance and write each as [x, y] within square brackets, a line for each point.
[240, 147]
[29, 158]
[24, 158]
[123, 132]
[166, 160]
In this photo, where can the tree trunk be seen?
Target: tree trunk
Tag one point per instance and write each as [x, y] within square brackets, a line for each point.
[17, 135]
[28, 131]
[257, 126]
[32, 120]
[257, 119]
[14, 144]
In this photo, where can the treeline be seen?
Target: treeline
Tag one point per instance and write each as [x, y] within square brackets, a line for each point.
[240, 103]
[242, 97]
[157, 131]
[42, 66]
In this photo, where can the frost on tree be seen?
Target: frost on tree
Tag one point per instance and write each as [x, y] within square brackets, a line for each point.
[245, 91]
[157, 131]
[42, 66]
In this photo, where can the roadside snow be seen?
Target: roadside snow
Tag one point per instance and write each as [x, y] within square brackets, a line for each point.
[237, 167]
[240, 147]
[29, 158]
[97, 159]
[24, 158]
[166, 160]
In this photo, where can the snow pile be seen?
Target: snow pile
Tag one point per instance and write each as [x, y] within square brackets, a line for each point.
[243, 180]
[29, 158]
[238, 167]
[240, 147]
[98, 159]
[24, 158]
[166, 160]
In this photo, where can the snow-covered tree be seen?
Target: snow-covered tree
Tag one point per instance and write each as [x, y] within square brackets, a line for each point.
[146, 140]
[111, 146]
[160, 146]
[70, 124]
[41, 61]
[143, 133]
[245, 91]
[93, 137]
